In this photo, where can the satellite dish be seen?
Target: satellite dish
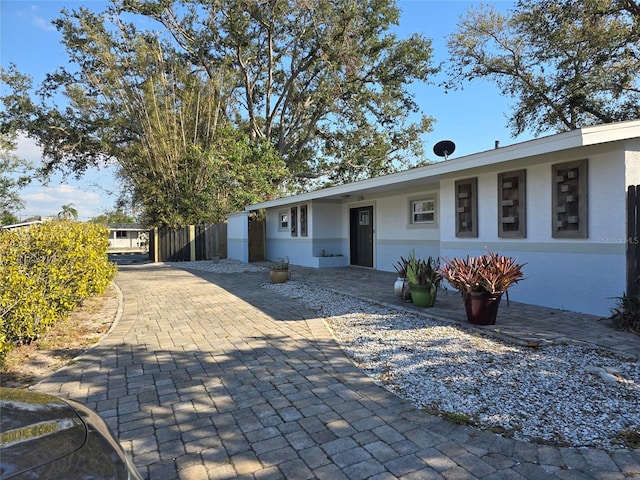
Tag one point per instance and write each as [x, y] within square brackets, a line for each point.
[444, 148]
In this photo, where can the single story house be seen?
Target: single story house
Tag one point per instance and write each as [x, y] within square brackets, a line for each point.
[128, 238]
[557, 203]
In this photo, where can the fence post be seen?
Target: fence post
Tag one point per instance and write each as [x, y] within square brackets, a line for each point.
[156, 245]
[192, 243]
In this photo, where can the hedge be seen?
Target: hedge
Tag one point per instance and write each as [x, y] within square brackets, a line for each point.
[46, 271]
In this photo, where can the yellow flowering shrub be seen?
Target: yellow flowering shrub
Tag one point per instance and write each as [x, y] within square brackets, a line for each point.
[46, 271]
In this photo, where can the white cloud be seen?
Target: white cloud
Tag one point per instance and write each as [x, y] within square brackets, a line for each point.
[91, 195]
[28, 150]
[48, 201]
[42, 24]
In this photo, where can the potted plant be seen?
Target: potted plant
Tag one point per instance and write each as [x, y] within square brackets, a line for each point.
[482, 280]
[280, 270]
[401, 285]
[424, 278]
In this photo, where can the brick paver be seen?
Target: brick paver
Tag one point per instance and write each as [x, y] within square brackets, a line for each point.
[212, 377]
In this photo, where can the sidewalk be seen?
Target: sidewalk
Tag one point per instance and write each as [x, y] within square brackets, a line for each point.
[517, 322]
[210, 376]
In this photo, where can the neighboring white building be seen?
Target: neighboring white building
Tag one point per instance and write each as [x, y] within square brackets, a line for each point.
[127, 238]
[557, 203]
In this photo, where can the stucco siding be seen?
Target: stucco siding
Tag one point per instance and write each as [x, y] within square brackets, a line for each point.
[632, 159]
[396, 236]
[581, 269]
[576, 274]
[330, 236]
[238, 236]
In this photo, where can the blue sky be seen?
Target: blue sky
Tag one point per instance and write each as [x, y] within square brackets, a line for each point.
[473, 118]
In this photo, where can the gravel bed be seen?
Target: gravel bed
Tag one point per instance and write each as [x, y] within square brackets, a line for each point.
[566, 395]
[223, 266]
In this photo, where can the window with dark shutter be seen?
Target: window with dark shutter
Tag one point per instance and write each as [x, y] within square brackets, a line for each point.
[294, 221]
[303, 220]
[467, 207]
[569, 184]
[512, 219]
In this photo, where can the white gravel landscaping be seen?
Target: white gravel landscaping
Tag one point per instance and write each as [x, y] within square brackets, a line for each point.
[566, 394]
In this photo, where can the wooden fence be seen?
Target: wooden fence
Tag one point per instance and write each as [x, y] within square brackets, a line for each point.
[188, 243]
[633, 240]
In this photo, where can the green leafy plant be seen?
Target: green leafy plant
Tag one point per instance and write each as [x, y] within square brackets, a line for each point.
[626, 314]
[281, 264]
[423, 272]
[48, 270]
[491, 273]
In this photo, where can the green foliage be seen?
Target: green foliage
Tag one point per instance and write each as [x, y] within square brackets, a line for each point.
[8, 218]
[626, 314]
[13, 176]
[47, 270]
[281, 264]
[115, 216]
[68, 212]
[423, 272]
[226, 102]
[566, 63]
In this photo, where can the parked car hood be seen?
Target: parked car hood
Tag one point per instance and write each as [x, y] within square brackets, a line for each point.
[28, 416]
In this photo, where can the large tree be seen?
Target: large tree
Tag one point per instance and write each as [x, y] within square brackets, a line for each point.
[566, 63]
[14, 175]
[231, 84]
[136, 101]
[322, 80]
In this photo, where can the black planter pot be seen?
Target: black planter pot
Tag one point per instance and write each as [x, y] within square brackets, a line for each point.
[482, 307]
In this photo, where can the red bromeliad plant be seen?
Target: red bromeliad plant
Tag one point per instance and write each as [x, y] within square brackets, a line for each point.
[491, 273]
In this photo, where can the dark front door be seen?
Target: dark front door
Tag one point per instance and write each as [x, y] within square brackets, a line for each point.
[362, 236]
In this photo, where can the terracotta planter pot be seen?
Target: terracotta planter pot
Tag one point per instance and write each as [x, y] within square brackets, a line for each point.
[482, 307]
[423, 295]
[279, 276]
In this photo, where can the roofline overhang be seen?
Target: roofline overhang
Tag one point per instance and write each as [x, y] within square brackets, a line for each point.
[582, 137]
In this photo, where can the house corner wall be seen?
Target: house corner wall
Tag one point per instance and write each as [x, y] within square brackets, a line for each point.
[579, 274]
[632, 162]
[238, 236]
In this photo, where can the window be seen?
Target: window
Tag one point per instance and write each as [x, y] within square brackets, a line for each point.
[569, 197]
[467, 208]
[121, 234]
[283, 224]
[423, 211]
[512, 220]
[303, 220]
[294, 221]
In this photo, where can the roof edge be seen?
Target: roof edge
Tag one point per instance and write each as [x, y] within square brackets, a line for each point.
[581, 137]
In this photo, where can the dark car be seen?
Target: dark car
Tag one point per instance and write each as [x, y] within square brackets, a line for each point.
[49, 438]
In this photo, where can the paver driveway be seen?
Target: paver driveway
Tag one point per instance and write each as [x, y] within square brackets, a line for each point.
[211, 377]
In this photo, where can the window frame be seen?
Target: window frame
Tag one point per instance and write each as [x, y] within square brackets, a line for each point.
[412, 214]
[294, 221]
[517, 209]
[303, 221]
[471, 185]
[564, 184]
[283, 226]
